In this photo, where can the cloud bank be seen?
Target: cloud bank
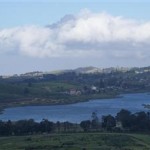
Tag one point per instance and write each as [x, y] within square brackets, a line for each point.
[86, 34]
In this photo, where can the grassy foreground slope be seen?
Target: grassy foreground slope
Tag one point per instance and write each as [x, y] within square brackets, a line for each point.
[77, 141]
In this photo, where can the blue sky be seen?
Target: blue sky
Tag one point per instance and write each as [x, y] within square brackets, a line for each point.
[43, 12]
[22, 14]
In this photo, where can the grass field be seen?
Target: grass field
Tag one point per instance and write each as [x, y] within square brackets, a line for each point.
[77, 141]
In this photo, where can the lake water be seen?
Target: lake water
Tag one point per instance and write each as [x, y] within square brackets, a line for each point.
[80, 111]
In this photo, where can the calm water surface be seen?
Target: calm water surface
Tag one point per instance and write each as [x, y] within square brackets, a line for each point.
[80, 111]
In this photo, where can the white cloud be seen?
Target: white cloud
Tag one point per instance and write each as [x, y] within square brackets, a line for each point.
[86, 34]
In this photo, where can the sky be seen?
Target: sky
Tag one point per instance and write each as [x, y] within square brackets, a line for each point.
[45, 35]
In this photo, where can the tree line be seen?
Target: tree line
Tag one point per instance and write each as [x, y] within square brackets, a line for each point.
[29, 127]
[124, 121]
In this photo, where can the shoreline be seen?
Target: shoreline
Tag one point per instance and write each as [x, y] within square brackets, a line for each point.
[80, 99]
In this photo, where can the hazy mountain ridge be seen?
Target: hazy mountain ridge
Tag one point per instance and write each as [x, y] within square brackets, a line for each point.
[83, 70]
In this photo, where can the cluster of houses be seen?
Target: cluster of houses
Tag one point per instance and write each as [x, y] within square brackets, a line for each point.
[92, 89]
[77, 92]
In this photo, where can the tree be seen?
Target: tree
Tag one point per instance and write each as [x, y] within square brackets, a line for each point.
[124, 117]
[95, 121]
[85, 125]
[46, 126]
[67, 126]
[9, 127]
[108, 122]
[5, 128]
[58, 126]
[24, 127]
[142, 121]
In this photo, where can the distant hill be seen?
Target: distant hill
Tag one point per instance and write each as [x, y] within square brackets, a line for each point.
[91, 69]
[88, 70]
[70, 86]
[83, 70]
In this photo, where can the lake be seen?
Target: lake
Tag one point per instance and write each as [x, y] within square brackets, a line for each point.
[80, 111]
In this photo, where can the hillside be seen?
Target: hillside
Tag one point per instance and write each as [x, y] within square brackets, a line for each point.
[71, 86]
